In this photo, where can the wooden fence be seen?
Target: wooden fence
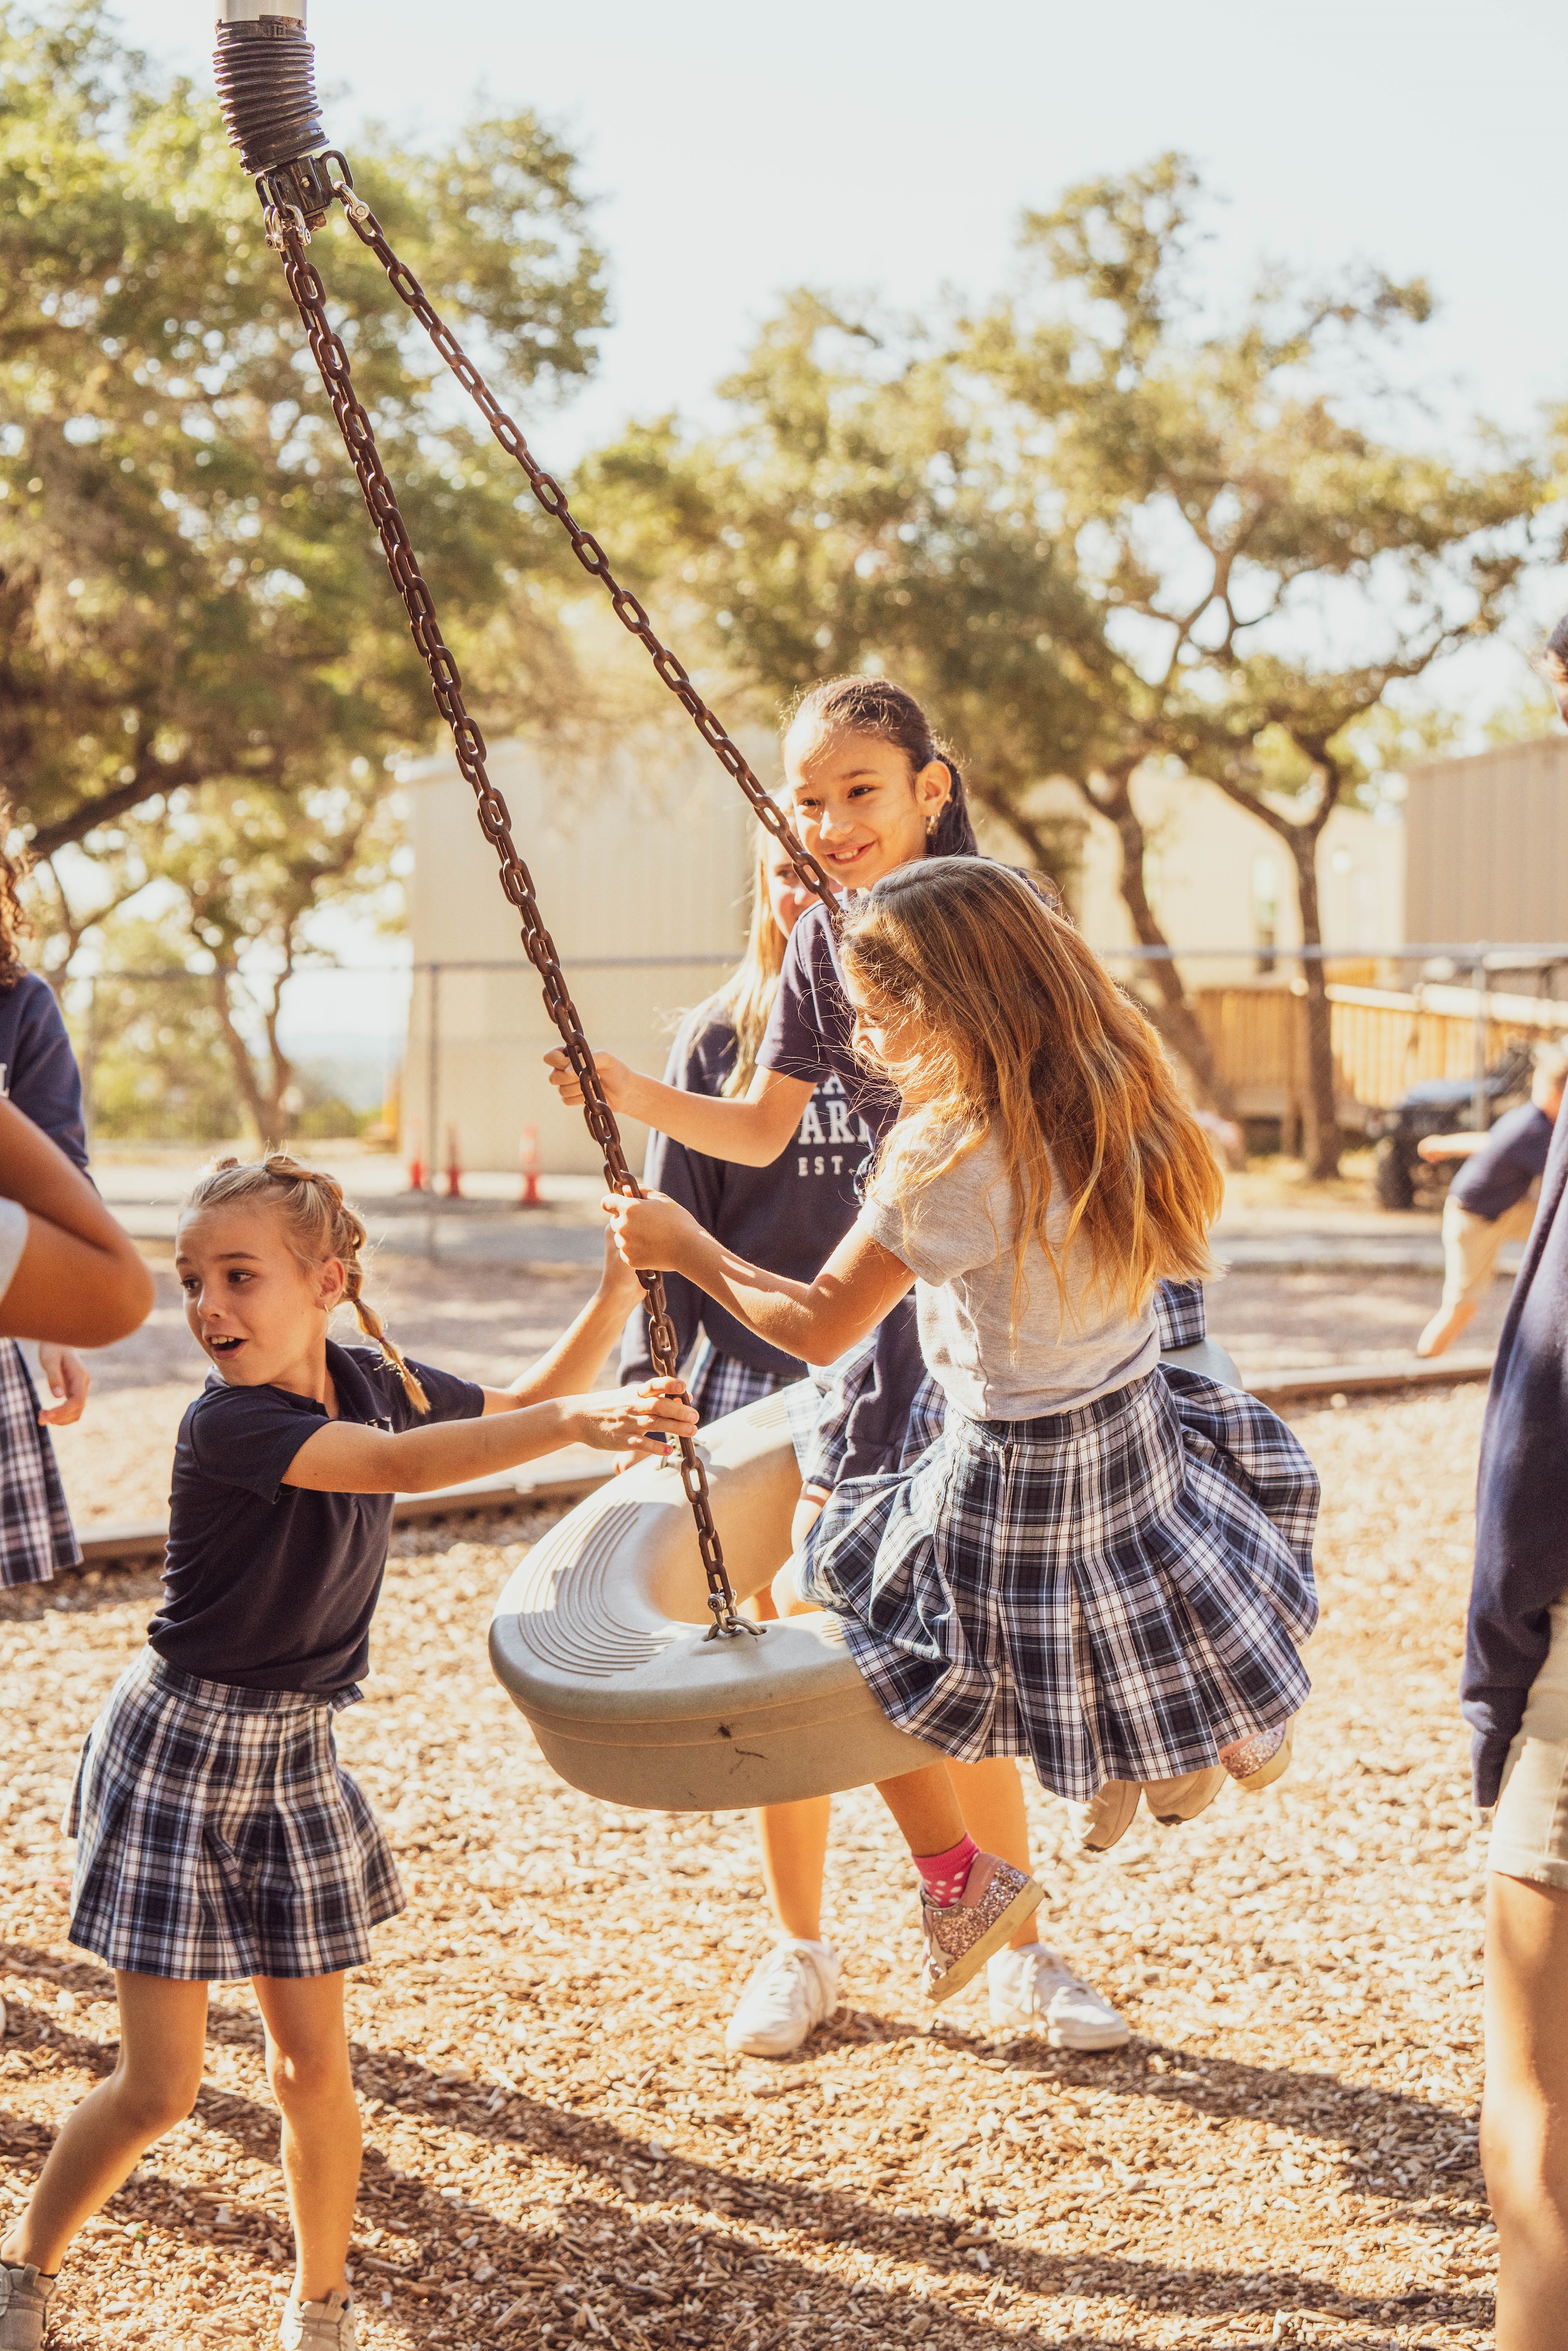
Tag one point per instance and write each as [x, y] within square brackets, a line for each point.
[1384, 1043]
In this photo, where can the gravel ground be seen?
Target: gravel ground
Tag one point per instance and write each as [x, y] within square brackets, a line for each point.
[559, 2149]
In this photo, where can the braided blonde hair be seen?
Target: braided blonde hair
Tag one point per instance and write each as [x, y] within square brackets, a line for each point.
[320, 1224]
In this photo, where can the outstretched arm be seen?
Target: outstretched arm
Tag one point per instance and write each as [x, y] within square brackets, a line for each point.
[345, 1457]
[816, 1321]
[81, 1278]
[751, 1132]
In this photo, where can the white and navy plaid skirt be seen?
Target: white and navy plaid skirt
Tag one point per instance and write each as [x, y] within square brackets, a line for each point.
[1115, 1592]
[219, 1838]
[35, 1531]
[720, 1383]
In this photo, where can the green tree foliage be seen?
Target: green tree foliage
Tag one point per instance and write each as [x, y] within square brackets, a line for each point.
[205, 672]
[189, 592]
[1271, 562]
[1097, 529]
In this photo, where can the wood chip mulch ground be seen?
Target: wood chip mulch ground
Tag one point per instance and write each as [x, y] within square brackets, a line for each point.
[560, 2151]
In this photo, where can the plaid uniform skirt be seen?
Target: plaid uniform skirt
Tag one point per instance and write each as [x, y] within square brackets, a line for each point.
[219, 1838]
[720, 1383]
[819, 1410]
[1116, 1592]
[35, 1531]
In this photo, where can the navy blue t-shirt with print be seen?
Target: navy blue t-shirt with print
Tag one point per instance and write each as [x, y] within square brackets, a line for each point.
[812, 1037]
[1497, 1176]
[271, 1586]
[789, 1216]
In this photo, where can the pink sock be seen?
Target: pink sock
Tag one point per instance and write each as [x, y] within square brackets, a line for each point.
[944, 1875]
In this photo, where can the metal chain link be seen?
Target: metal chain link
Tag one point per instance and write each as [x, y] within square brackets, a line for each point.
[286, 230]
[585, 545]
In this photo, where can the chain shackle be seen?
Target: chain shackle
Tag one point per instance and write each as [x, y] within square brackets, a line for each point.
[359, 439]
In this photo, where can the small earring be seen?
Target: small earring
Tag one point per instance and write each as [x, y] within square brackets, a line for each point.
[931, 828]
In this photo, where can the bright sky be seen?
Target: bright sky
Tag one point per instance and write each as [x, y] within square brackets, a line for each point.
[738, 149]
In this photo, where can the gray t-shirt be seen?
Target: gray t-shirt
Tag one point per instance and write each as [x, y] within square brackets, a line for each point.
[957, 1243]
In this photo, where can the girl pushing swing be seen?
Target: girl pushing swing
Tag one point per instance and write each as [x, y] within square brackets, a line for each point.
[1104, 1562]
[217, 1835]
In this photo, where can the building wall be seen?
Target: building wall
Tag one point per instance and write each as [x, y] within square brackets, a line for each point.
[1489, 846]
[1218, 878]
[642, 871]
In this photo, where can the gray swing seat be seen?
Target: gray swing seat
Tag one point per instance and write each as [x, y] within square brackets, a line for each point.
[598, 1639]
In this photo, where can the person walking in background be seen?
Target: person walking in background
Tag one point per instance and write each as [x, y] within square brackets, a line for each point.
[1490, 1200]
[40, 1075]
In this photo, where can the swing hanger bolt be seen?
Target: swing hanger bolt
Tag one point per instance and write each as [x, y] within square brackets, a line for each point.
[265, 70]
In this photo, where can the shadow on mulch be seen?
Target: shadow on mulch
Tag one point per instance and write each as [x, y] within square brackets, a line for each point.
[643, 2187]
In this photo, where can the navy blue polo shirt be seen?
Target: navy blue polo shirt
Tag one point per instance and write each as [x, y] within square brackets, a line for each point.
[271, 1586]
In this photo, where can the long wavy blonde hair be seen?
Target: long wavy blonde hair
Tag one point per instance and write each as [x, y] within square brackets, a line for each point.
[746, 1000]
[321, 1224]
[1002, 1022]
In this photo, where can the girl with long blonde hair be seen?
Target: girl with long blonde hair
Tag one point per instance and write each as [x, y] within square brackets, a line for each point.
[1105, 1562]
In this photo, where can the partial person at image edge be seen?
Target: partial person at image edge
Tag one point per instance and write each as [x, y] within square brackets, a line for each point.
[38, 1075]
[1489, 1201]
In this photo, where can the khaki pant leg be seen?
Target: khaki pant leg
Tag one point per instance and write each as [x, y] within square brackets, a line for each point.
[1471, 1246]
[1530, 1826]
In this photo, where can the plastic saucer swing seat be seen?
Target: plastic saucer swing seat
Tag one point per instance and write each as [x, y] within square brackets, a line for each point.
[598, 1640]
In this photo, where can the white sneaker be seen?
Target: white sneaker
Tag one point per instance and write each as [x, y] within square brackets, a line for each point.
[795, 1987]
[325, 2326]
[1032, 1991]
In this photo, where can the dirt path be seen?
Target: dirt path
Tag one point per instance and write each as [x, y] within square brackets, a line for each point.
[560, 2150]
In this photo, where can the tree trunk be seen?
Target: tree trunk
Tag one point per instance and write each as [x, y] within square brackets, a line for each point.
[1320, 1140]
[262, 1107]
[1169, 1009]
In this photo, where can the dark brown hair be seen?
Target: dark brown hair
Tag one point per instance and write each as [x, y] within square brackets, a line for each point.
[874, 705]
[16, 925]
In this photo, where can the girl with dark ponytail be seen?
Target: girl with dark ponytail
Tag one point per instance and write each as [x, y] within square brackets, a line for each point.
[870, 787]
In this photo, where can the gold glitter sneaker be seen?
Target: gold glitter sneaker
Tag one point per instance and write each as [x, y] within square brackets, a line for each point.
[995, 1900]
[1255, 1763]
[24, 2307]
[326, 2326]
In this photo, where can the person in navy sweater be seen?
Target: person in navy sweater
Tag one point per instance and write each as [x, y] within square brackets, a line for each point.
[38, 1075]
[1514, 1693]
[1490, 1199]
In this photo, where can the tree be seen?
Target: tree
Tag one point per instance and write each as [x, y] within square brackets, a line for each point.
[1244, 524]
[190, 596]
[870, 508]
[1094, 525]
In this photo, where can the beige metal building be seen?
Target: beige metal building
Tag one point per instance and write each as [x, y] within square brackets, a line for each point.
[1487, 846]
[643, 868]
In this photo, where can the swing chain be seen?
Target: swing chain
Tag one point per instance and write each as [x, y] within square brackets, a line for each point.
[585, 545]
[327, 349]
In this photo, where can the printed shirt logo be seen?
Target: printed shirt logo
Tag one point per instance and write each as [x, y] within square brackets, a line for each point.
[846, 1139]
